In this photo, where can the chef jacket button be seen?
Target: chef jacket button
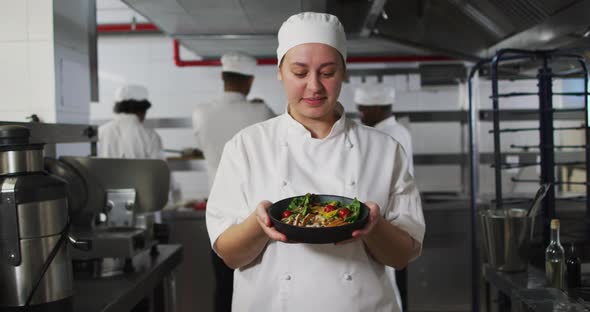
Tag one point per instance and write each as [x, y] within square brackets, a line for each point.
[287, 277]
[348, 277]
[352, 183]
[284, 183]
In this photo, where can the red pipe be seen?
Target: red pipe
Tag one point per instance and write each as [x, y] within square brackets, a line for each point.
[147, 27]
[122, 28]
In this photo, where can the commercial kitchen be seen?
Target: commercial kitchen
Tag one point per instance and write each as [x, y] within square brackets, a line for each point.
[494, 95]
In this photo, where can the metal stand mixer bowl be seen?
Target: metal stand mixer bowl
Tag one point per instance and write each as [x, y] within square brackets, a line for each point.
[33, 228]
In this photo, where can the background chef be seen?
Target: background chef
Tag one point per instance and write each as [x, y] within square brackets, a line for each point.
[214, 123]
[313, 148]
[125, 136]
[374, 102]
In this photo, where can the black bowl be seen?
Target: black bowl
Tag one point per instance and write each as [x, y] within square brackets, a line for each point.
[320, 235]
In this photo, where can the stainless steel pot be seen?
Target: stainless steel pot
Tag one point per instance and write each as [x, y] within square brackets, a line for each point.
[507, 235]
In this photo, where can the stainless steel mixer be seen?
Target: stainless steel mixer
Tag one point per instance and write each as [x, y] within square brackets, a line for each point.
[112, 204]
[35, 266]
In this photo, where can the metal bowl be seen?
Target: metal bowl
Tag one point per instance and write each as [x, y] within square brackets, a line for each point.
[320, 235]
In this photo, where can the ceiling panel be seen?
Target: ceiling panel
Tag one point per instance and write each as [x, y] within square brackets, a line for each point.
[110, 4]
[116, 12]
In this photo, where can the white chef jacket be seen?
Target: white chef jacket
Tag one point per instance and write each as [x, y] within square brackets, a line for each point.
[217, 122]
[278, 158]
[126, 137]
[399, 133]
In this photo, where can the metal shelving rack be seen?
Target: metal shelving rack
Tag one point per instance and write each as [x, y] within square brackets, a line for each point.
[53, 133]
[546, 116]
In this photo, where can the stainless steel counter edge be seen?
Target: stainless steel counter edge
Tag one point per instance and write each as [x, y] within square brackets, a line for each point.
[528, 288]
[92, 295]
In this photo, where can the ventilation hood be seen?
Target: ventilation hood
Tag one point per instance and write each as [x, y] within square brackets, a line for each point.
[464, 29]
[478, 28]
[211, 27]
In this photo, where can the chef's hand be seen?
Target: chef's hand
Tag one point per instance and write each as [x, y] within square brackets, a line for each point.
[264, 220]
[374, 214]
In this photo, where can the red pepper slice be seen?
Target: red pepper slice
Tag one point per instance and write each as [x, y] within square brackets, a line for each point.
[329, 208]
[343, 213]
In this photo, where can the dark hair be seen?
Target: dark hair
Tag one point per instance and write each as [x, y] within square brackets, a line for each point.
[234, 77]
[132, 107]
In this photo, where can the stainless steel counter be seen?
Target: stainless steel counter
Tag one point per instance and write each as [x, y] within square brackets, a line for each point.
[527, 292]
[195, 280]
[124, 292]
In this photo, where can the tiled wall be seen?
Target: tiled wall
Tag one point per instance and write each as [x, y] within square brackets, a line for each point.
[27, 76]
[44, 63]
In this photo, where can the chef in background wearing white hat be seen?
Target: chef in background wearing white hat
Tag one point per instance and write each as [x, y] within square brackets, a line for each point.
[313, 148]
[374, 102]
[125, 136]
[214, 124]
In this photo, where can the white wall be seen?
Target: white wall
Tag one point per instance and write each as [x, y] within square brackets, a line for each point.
[44, 63]
[175, 91]
[44, 60]
[27, 78]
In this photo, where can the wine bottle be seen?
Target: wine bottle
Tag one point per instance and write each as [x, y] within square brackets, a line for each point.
[573, 269]
[554, 259]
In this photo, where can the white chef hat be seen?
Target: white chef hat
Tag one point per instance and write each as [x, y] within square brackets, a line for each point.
[311, 27]
[131, 92]
[238, 63]
[376, 94]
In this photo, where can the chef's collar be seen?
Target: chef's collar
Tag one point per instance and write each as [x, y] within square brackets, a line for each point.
[295, 127]
[233, 97]
[124, 116]
[388, 120]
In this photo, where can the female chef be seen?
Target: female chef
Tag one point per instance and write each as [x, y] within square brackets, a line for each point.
[313, 148]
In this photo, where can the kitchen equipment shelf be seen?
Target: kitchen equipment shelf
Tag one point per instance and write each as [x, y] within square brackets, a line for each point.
[535, 129]
[546, 115]
[52, 134]
[513, 94]
[539, 181]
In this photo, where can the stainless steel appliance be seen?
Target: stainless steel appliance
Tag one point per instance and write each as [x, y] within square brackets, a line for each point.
[112, 208]
[35, 266]
[507, 234]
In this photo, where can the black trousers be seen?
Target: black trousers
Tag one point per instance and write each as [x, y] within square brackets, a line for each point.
[224, 284]
[401, 279]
